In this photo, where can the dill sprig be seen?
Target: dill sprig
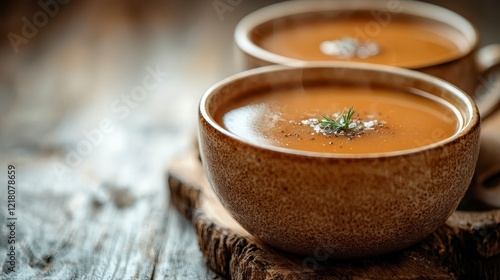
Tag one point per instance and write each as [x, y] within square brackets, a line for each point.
[342, 123]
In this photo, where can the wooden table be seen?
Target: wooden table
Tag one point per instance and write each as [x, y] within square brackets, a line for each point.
[94, 104]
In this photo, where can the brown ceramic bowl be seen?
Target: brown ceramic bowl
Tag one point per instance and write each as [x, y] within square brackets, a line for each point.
[377, 203]
[462, 70]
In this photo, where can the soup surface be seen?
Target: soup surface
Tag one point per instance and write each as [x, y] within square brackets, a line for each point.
[402, 41]
[399, 120]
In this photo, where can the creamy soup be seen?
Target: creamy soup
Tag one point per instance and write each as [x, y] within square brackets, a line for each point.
[401, 40]
[395, 120]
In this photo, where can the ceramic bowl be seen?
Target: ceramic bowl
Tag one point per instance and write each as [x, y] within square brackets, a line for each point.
[462, 70]
[375, 203]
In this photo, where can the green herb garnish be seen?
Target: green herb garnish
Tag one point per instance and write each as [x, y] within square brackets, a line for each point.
[341, 123]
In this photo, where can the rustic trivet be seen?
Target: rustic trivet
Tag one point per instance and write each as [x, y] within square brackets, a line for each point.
[467, 246]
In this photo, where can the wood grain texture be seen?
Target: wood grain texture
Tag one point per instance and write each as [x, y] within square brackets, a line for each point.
[109, 217]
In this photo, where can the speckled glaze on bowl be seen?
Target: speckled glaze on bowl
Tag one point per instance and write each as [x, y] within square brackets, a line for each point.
[349, 206]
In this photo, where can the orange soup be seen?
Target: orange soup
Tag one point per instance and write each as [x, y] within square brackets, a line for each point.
[400, 40]
[386, 119]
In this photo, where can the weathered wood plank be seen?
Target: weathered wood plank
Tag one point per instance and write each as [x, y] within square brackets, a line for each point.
[109, 216]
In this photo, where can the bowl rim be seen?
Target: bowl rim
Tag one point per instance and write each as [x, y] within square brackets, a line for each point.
[468, 125]
[243, 30]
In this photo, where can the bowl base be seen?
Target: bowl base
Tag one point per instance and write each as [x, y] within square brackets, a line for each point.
[232, 252]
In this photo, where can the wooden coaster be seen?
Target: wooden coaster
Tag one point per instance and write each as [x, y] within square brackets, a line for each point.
[467, 246]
